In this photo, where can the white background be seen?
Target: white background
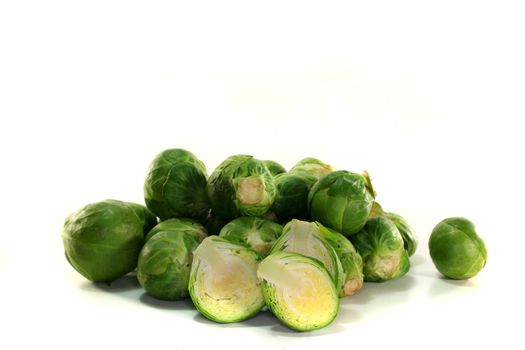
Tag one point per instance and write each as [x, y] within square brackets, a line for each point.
[429, 98]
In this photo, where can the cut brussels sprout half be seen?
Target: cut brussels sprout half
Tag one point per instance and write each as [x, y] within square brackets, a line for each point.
[274, 167]
[255, 233]
[350, 260]
[102, 241]
[311, 166]
[341, 201]
[298, 290]
[188, 226]
[164, 264]
[241, 186]
[381, 246]
[223, 281]
[292, 196]
[456, 249]
[304, 238]
[175, 186]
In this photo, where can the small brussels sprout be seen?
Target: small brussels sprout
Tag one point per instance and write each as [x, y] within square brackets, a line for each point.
[456, 249]
[223, 281]
[188, 226]
[350, 260]
[311, 166]
[292, 196]
[341, 201]
[381, 246]
[241, 186]
[164, 264]
[304, 238]
[409, 237]
[298, 290]
[102, 241]
[256, 233]
[274, 167]
[175, 186]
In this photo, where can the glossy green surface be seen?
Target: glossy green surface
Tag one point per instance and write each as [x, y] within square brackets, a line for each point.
[102, 240]
[175, 186]
[407, 232]
[456, 249]
[256, 233]
[241, 186]
[382, 248]
[341, 201]
[164, 264]
[188, 226]
[291, 201]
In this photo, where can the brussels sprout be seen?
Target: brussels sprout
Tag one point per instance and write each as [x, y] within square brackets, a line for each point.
[381, 246]
[214, 224]
[149, 220]
[341, 201]
[102, 240]
[350, 260]
[298, 290]
[164, 264]
[456, 249]
[408, 234]
[175, 186]
[292, 196]
[223, 281]
[256, 233]
[189, 226]
[311, 166]
[241, 186]
[274, 167]
[304, 238]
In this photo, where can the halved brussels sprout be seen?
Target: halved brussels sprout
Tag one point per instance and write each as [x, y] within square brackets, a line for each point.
[311, 166]
[223, 281]
[256, 233]
[408, 234]
[274, 167]
[456, 249]
[298, 290]
[241, 186]
[175, 186]
[304, 238]
[292, 196]
[188, 226]
[102, 241]
[341, 201]
[381, 246]
[350, 260]
[164, 264]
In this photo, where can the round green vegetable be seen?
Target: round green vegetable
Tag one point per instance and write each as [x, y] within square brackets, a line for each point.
[298, 290]
[409, 237]
[350, 260]
[223, 281]
[304, 238]
[164, 264]
[292, 196]
[456, 249]
[175, 186]
[381, 246]
[241, 186]
[102, 240]
[189, 226]
[341, 201]
[311, 166]
[274, 167]
[253, 232]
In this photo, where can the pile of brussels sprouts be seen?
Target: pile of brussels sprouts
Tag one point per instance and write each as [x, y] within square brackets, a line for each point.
[252, 235]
